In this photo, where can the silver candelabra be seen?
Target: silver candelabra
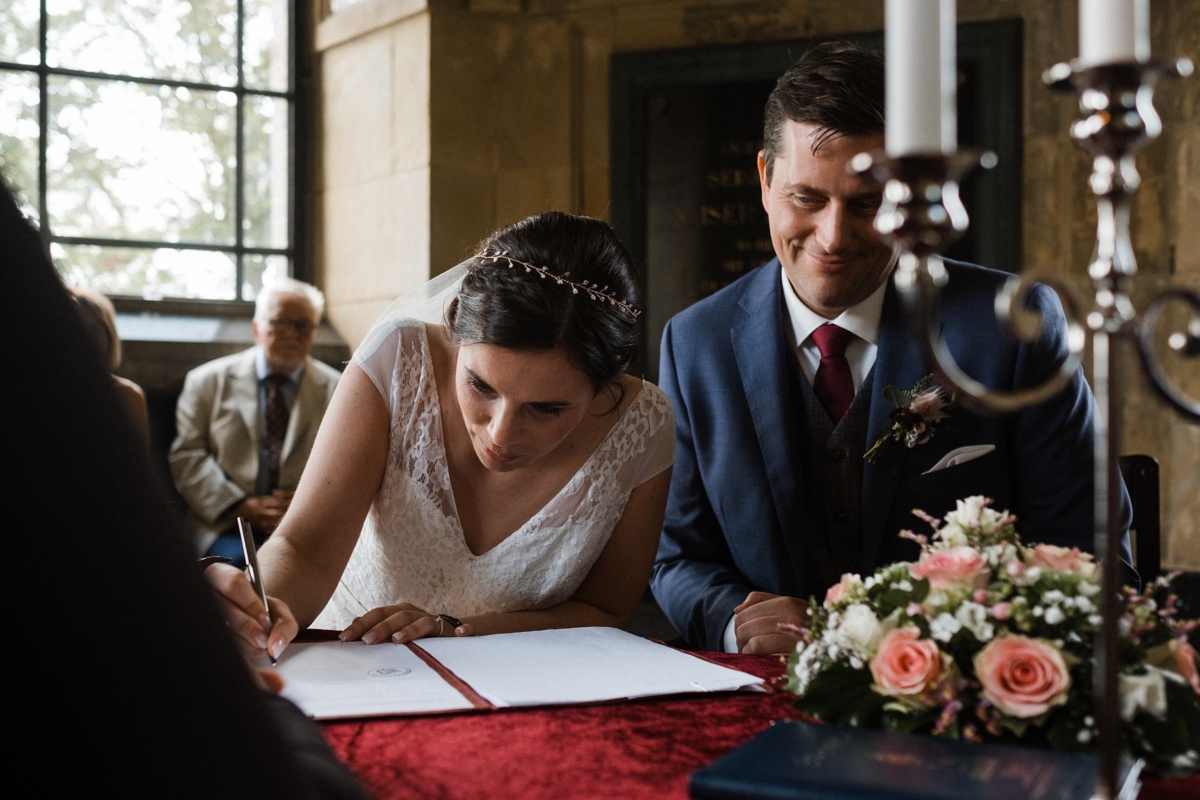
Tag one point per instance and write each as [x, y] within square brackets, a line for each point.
[922, 214]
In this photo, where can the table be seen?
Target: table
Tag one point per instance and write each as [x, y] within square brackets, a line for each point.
[629, 750]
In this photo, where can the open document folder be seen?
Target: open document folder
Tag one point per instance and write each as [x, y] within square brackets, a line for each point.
[558, 667]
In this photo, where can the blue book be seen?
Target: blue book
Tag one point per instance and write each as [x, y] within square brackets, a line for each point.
[795, 760]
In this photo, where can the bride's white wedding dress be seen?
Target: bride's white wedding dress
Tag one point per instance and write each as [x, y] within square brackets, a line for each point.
[412, 549]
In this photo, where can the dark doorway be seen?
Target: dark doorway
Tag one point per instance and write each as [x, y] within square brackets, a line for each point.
[686, 130]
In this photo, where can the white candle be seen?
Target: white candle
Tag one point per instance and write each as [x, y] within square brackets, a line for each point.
[948, 47]
[919, 44]
[1113, 31]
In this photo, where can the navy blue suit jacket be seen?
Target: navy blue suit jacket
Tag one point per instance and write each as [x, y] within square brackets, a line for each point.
[737, 517]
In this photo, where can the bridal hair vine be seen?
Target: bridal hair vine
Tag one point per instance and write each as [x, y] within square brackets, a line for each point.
[593, 291]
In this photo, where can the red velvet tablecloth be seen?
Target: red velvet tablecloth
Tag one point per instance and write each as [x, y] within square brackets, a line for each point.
[629, 750]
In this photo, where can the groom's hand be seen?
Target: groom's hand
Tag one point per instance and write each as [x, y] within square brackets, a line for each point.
[757, 621]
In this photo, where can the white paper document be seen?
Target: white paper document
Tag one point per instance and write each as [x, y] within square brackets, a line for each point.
[351, 679]
[556, 667]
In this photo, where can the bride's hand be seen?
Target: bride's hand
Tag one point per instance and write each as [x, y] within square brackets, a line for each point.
[402, 623]
[245, 616]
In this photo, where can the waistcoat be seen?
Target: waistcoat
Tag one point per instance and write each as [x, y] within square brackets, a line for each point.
[832, 459]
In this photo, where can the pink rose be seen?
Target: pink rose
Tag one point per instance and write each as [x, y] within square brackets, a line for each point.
[952, 566]
[1002, 610]
[1060, 559]
[1022, 677]
[839, 589]
[905, 664]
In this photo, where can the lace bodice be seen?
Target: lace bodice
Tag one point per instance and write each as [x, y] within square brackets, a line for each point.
[412, 548]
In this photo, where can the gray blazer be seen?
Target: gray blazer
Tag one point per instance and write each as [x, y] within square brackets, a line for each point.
[214, 458]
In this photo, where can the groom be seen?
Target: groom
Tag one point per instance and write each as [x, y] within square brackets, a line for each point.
[779, 379]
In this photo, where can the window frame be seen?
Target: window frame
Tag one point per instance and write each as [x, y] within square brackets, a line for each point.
[298, 247]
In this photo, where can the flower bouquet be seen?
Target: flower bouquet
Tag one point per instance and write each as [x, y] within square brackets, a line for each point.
[985, 638]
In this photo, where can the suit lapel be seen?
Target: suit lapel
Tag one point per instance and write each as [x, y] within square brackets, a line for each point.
[898, 363]
[246, 392]
[761, 351]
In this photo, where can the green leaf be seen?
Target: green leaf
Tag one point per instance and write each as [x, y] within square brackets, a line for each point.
[842, 695]
[792, 684]
[912, 722]
[895, 396]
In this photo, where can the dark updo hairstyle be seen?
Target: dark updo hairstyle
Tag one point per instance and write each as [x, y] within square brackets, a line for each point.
[503, 303]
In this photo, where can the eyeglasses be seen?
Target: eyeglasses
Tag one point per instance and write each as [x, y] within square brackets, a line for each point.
[300, 326]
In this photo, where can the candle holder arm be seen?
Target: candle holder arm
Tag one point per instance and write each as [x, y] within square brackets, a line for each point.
[1185, 343]
[918, 286]
[921, 214]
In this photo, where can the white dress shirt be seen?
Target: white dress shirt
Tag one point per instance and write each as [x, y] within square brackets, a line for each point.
[862, 320]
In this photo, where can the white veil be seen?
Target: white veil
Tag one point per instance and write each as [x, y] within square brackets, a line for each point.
[426, 303]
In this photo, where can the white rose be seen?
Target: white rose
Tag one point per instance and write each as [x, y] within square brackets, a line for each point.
[990, 519]
[860, 630]
[967, 512]
[1143, 693]
[952, 535]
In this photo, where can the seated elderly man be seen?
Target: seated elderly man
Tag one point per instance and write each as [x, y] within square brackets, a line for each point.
[246, 422]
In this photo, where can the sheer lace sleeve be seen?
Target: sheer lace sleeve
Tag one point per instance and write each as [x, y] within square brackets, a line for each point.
[657, 428]
[379, 353]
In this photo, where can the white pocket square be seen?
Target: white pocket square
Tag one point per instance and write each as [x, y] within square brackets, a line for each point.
[961, 455]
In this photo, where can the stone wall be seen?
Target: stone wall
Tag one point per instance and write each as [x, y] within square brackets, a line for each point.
[440, 120]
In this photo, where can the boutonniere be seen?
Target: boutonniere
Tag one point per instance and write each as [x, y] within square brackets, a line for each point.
[915, 419]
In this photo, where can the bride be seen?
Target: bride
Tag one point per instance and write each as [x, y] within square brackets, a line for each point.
[485, 464]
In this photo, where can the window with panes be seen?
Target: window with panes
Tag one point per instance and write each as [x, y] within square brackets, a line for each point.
[153, 142]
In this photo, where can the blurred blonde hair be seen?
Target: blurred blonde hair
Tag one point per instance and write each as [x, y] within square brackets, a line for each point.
[100, 320]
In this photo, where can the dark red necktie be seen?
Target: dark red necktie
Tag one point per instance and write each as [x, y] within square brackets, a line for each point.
[277, 420]
[832, 383]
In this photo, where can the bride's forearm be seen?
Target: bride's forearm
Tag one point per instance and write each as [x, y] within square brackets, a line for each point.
[303, 582]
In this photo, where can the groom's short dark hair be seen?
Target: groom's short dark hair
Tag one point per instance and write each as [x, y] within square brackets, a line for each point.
[836, 86]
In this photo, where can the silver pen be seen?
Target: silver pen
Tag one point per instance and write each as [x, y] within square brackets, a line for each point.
[252, 567]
